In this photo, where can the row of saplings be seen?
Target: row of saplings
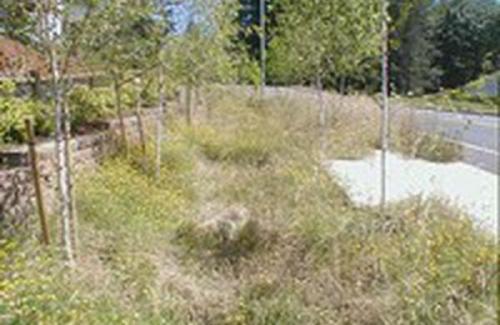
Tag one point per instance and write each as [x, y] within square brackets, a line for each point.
[89, 106]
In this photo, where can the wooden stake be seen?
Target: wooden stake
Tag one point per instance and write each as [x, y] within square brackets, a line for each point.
[36, 182]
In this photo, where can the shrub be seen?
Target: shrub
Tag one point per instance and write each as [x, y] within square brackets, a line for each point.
[432, 147]
[89, 105]
[13, 112]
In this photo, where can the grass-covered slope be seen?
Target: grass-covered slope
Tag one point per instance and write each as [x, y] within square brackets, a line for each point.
[469, 99]
[305, 255]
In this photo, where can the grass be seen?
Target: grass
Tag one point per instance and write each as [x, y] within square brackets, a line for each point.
[465, 100]
[410, 142]
[452, 103]
[306, 256]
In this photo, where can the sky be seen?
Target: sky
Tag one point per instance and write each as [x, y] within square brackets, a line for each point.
[180, 17]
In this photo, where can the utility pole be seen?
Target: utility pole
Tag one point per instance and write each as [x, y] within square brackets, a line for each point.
[385, 106]
[262, 19]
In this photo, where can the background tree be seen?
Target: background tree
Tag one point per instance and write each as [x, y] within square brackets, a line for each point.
[16, 19]
[250, 33]
[413, 53]
[319, 40]
[464, 38]
[204, 53]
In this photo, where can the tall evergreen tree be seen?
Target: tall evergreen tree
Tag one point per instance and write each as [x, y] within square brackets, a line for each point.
[413, 54]
[463, 39]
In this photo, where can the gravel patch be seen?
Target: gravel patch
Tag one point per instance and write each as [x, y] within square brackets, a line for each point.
[471, 189]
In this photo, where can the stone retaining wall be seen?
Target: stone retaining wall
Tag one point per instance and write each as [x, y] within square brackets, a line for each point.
[16, 186]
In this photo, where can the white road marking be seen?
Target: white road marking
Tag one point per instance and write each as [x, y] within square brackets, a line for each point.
[473, 147]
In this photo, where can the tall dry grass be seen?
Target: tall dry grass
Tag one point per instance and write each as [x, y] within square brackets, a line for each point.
[307, 256]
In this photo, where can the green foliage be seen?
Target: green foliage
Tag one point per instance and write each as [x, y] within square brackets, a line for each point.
[16, 20]
[205, 53]
[249, 72]
[89, 105]
[466, 99]
[13, 112]
[249, 32]
[413, 52]
[310, 44]
[464, 37]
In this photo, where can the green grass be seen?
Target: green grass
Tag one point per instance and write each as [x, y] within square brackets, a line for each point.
[308, 256]
[445, 102]
[462, 100]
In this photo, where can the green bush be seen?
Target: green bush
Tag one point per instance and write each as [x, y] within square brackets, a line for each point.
[13, 112]
[89, 105]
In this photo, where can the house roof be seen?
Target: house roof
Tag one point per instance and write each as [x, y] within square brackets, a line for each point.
[20, 61]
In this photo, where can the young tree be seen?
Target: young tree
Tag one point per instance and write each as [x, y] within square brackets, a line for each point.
[384, 134]
[59, 32]
[203, 53]
[316, 40]
[413, 53]
[126, 47]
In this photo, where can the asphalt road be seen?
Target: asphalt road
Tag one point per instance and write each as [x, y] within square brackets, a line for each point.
[478, 134]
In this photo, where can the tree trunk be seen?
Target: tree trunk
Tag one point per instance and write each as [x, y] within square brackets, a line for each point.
[343, 85]
[188, 104]
[119, 109]
[140, 125]
[65, 204]
[178, 98]
[196, 100]
[384, 130]
[322, 114]
[159, 125]
[69, 179]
